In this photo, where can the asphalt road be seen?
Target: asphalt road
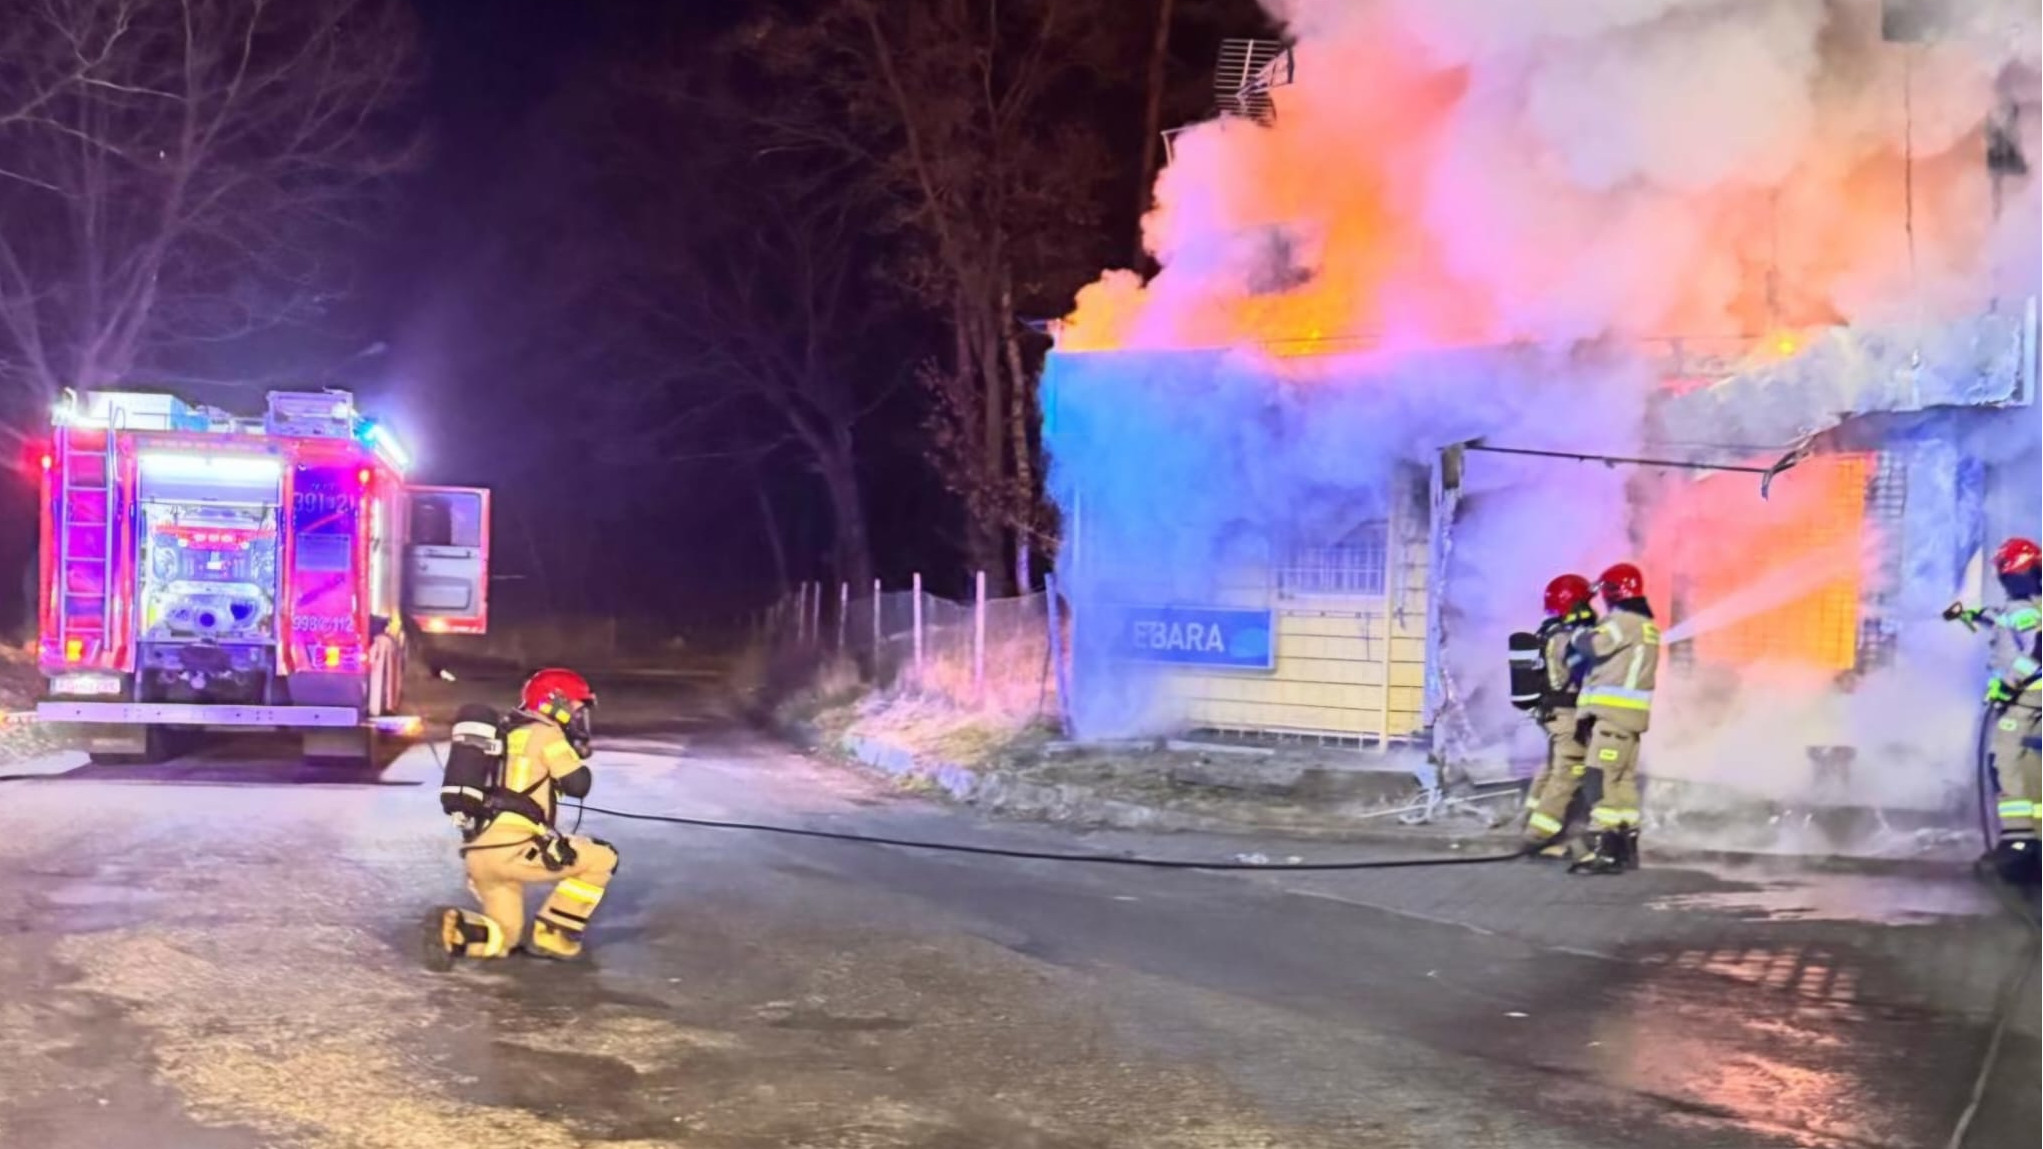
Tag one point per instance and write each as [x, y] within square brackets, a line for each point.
[221, 952]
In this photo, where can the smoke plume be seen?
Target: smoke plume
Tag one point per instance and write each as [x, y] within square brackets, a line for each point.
[1612, 188]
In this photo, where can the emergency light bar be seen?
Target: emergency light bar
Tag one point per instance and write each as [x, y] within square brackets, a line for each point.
[386, 446]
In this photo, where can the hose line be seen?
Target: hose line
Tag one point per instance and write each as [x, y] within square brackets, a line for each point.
[1052, 855]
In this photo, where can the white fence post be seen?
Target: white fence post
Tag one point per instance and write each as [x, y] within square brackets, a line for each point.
[917, 585]
[816, 617]
[1055, 621]
[877, 633]
[979, 638]
[1393, 588]
[843, 613]
[801, 612]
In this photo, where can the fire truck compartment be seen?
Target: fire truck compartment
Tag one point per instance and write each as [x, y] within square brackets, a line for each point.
[208, 575]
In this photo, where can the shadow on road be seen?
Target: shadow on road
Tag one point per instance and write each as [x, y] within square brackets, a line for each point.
[244, 759]
[217, 773]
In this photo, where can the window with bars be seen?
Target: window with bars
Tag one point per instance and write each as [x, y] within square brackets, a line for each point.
[1355, 565]
[1886, 510]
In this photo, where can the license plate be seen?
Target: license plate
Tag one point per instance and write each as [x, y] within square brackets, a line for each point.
[86, 684]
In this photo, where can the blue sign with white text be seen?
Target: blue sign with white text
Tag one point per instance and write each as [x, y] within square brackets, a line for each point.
[1196, 636]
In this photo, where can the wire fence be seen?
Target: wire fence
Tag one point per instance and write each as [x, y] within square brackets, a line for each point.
[1000, 656]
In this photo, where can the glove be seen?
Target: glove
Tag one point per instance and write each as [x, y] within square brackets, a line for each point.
[557, 853]
[1999, 691]
[1969, 615]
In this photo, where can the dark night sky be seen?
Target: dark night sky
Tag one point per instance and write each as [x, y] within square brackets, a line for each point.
[499, 169]
[495, 71]
[500, 70]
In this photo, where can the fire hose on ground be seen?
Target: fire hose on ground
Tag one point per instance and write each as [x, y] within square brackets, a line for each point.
[1017, 854]
[1055, 855]
[2007, 999]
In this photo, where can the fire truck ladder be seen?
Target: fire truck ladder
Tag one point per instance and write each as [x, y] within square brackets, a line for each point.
[85, 536]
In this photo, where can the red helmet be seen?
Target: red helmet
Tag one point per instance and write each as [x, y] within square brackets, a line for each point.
[563, 696]
[2017, 556]
[1621, 582]
[1566, 593]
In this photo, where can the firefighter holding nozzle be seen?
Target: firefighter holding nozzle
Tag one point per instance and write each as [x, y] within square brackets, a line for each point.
[2014, 697]
[1616, 704]
[503, 781]
[1546, 676]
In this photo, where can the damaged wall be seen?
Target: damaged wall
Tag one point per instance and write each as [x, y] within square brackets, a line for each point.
[1179, 470]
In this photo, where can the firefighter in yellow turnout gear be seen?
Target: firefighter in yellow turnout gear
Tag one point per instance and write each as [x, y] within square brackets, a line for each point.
[1554, 789]
[1617, 707]
[544, 755]
[2015, 696]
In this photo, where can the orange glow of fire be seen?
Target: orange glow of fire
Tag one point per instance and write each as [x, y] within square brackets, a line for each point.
[1832, 237]
[1726, 543]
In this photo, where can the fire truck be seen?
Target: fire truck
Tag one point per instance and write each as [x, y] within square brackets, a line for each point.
[201, 570]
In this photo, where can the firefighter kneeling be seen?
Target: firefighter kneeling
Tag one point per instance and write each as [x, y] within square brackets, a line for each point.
[501, 787]
[1617, 707]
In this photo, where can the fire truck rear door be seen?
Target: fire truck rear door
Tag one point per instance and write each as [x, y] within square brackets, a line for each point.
[446, 559]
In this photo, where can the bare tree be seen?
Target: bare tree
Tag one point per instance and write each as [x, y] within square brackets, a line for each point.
[973, 123]
[759, 297]
[1152, 111]
[180, 174]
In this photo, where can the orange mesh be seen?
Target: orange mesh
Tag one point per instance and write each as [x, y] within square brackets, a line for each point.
[1783, 576]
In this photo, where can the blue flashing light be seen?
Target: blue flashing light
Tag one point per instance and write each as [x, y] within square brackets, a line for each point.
[379, 439]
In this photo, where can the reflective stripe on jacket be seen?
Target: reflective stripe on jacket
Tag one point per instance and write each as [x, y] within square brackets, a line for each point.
[1625, 648]
[2018, 647]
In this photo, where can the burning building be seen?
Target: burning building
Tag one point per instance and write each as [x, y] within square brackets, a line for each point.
[1498, 290]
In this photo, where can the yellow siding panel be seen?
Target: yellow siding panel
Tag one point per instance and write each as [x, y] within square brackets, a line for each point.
[1331, 658]
[1341, 671]
[1262, 691]
[1319, 718]
[1301, 625]
[1328, 650]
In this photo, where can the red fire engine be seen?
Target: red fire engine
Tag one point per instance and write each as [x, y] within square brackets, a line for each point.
[203, 570]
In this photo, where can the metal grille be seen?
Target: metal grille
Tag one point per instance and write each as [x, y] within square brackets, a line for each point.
[1356, 565]
[1247, 70]
[1886, 513]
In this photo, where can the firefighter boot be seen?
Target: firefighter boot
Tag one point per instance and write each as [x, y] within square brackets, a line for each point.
[1605, 854]
[557, 932]
[552, 941]
[1631, 847]
[2016, 860]
[453, 933]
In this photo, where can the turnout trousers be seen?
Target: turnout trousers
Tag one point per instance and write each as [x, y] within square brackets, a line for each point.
[498, 875]
[1555, 786]
[1614, 754]
[2016, 761]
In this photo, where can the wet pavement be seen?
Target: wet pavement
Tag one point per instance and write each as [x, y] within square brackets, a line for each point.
[221, 952]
